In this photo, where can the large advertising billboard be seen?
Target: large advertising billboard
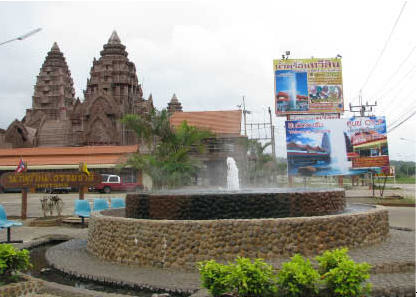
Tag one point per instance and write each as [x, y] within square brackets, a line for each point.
[305, 86]
[348, 146]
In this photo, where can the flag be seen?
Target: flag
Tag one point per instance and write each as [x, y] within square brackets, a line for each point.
[83, 168]
[21, 167]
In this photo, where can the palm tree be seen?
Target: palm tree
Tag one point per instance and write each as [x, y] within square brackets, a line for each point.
[168, 163]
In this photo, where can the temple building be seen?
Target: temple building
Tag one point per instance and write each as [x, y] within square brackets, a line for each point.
[57, 118]
[60, 130]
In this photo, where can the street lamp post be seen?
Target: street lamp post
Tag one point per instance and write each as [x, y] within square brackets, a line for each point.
[24, 36]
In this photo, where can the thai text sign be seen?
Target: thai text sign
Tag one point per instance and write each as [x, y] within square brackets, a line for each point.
[304, 86]
[348, 146]
[49, 179]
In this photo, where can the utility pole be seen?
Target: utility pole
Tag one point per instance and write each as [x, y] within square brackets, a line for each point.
[272, 133]
[244, 114]
[362, 108]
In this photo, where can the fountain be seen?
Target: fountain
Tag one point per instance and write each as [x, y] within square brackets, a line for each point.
[178, 228]
[232, 175]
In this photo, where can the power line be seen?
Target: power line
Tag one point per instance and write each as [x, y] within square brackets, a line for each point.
[401, 83]
[406, 119]
[402, 101]
[385, 47]
[405, 100]
[395, 72]
[402, 115]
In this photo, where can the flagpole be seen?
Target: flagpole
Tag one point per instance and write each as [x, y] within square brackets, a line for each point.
[24, 195]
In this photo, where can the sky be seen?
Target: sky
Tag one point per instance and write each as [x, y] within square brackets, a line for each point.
[212, 53]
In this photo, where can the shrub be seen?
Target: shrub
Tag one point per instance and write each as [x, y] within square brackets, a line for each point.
[250, 279]
[298, 278]
[244, 277]
[12, 260]
[213, 277]
[331, 259]
[348, 279]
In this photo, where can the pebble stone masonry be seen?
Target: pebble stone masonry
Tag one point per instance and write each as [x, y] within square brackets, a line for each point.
[178, 243]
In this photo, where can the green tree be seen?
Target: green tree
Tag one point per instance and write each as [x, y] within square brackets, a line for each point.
[168, 162]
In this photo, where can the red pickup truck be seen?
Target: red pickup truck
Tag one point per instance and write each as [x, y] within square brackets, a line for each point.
[111, 183]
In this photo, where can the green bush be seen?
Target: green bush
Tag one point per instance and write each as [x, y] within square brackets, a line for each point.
[342, 276]
[251, 279]
[339, 276]
[298, 278]
[12, 260]
[348, 279]
[331, 259]
[213, 277]
[244, 277]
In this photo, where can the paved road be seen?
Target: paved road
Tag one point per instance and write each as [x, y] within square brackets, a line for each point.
[404, 217]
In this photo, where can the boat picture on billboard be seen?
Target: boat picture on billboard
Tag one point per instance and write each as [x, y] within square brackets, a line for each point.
[337, 146]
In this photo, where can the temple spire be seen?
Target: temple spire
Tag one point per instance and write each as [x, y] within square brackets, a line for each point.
[114, 38]
[174, 105]
[55, 47]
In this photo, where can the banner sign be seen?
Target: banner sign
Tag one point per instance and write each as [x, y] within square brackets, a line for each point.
[303, 117]
[337, 146]
[304, 86]
[49, 179]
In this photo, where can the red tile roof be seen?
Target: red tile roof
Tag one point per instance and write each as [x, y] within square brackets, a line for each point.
[218, 122]
[66, 155]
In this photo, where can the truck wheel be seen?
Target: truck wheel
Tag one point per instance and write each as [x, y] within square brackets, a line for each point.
[107, 190]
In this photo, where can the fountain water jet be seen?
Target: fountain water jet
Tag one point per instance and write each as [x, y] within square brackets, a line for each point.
[293, 91]
[232, 175]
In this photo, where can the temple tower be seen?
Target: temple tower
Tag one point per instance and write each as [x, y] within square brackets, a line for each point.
[112, 91]
[174, 105]
[54, 93]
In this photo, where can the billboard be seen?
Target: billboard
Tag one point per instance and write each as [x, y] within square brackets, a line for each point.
[304, 86]
[348, 146]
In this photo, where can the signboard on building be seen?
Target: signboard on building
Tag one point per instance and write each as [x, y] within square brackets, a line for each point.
[337, 146]
[305, 86]
[49, 179]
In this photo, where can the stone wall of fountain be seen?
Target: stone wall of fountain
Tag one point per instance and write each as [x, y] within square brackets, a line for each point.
[155, 239]
[177, 205]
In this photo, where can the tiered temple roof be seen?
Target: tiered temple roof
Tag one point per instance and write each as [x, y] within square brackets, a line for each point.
[174, 105]
[54, 92]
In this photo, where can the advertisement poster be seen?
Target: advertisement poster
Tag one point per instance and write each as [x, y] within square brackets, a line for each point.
[304, 86]
[337, 146]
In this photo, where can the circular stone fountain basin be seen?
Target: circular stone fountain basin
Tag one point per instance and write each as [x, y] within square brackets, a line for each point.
[181, 243]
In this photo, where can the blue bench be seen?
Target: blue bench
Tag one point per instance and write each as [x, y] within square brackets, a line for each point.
[5, 223]
[100, 204]
[82, 209]
[117, 203]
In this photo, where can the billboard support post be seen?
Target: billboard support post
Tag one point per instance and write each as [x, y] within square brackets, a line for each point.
[272, 134]
[340, 177]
